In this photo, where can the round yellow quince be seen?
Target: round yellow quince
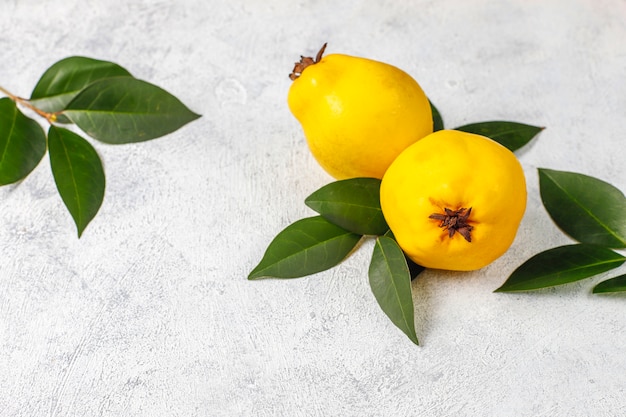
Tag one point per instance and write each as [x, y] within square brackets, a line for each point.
[357, 114]
[454, 200]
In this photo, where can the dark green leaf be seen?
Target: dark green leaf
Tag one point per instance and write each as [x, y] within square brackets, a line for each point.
[617, 284]
[512, 135]
[125, 109]
[66, 78]
[391, 284]
[305, 247]
[437, 119]
[352, 204]
[22, 143]
[586, 208]
[561, 265]
[78, 175]
[414, 269]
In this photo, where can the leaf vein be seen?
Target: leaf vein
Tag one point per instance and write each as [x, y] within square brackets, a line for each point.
[587, 211]
[395, 287]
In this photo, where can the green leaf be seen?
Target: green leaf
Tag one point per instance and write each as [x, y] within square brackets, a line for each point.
[414, 269]
[617, 284]
[125, 109]
[66, 78]
[22, 143]
[353, 204]
[586, 208]
[512, 135]
[78, 175]
[305, 247]
[561, 265]
[437, 119]
[391, 284]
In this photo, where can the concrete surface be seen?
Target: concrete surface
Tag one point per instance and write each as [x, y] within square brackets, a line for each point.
[150, 313]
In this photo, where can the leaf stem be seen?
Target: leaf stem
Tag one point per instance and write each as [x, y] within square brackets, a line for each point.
[3, 90]
[50, 117]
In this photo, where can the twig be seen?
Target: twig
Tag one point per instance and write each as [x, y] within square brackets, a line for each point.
[50, 117]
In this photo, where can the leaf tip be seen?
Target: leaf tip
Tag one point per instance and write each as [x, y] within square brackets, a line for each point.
[502, 289]
[80, 228]
[253, 275]
[615, 285]
[258, 273]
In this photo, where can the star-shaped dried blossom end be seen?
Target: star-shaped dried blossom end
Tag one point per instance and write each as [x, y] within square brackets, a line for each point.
[455, 221]
[305, 61]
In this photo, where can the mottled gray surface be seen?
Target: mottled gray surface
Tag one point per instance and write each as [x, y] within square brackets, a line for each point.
[150, 312]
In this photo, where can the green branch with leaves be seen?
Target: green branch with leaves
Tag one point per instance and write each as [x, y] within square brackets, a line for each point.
[589, 210]
[106, 103]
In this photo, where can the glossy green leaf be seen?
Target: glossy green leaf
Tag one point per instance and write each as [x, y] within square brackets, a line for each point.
[125, 109]
[512, 135]
[78, 175]
[353, 204]
[66, 78]
[586, 208]
[561, 265]
[22, 143]
[414, 269]
[305, 247]
[617, 284]
[437, 119]
[391, 284]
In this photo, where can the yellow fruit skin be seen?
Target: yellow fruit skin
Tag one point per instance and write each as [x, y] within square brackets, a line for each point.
[456, 170]
[358, 114]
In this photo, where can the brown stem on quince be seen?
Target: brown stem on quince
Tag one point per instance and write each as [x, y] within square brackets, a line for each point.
[455, 221]
[306, 61]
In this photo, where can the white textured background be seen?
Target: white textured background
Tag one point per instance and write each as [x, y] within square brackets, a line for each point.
[150, 313]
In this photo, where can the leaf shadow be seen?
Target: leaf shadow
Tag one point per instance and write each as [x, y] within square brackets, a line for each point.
[427, 287]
